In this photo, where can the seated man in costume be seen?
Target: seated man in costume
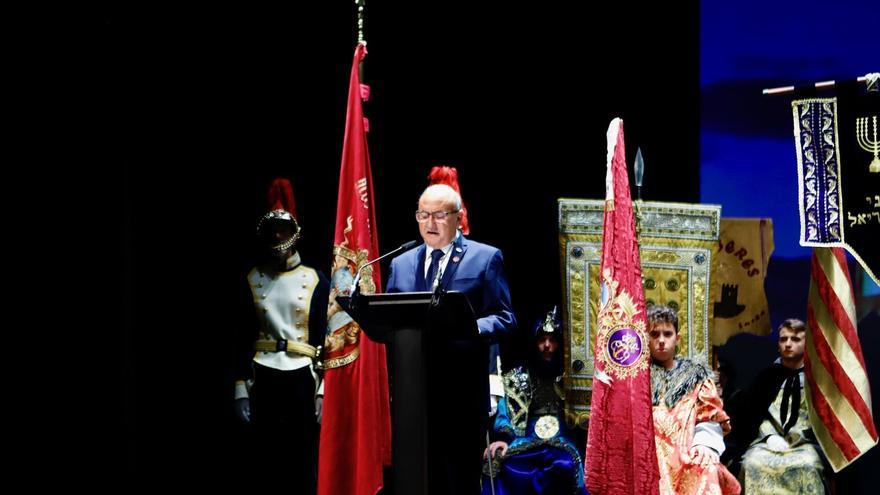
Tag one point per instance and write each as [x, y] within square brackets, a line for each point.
[784, 456]
[533, 455]
[689, 421]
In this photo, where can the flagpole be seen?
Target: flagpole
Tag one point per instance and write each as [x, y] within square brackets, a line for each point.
[361, 13]
[870, 79]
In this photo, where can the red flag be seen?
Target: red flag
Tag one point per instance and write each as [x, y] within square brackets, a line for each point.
[356, 427]
[621, 457]
[838, 394]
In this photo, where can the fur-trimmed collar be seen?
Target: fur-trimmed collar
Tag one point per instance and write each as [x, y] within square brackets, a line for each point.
[674, 384]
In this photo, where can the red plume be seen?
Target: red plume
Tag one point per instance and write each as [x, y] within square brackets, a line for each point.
[281, 196]
[444, 174]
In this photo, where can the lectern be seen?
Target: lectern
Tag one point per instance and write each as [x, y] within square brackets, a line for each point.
[437, 370]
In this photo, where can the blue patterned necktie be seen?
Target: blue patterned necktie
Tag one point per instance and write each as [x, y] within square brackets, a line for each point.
[432, 270]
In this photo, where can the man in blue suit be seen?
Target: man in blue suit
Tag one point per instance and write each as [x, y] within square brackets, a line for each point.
[453, 262]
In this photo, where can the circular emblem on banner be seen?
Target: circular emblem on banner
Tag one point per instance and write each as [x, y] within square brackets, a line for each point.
[624, 347]
[621, 339]
[546, 427]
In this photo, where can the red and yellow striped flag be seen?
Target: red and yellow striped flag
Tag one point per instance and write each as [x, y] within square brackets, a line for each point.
[838, 396]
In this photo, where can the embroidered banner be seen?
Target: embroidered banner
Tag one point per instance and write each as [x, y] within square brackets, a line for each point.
[743, 254]
[838, 142]
[356, 430]
[620, 441]
[678, 249]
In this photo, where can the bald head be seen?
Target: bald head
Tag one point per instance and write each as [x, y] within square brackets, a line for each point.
[438, 233]
[444, 193]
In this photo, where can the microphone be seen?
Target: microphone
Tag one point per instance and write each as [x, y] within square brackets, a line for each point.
[357, 278]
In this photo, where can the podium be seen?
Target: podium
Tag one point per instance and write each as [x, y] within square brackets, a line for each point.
[434, 347]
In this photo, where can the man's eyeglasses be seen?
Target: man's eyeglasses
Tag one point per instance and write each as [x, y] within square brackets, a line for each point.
[422, 216]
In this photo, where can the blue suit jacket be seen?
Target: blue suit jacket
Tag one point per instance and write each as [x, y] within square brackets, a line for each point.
[475, 269]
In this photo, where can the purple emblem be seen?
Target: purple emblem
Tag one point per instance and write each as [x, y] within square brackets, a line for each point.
[624, 346]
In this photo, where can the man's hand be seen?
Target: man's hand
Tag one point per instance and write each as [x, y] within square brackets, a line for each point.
[319, 408]
[243, 409]
[493, 448]
[703, 456]
[777, 443]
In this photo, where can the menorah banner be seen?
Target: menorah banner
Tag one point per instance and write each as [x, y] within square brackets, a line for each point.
[838, 143]
[678, 249]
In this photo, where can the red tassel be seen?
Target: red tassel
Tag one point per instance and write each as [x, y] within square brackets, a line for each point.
[281, 196]
[444, 174]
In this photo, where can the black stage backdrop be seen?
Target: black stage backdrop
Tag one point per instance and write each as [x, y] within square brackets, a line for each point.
[198, 108]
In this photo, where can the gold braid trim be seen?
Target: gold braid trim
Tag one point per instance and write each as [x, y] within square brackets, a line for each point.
[342, 361]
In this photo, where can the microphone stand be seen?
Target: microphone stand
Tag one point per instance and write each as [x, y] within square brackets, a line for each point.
[439, 291]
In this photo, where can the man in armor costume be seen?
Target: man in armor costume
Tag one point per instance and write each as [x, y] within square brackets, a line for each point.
[532, 454]
[277, 381]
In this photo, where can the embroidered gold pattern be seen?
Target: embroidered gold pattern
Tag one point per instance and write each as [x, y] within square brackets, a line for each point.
[547, 427]
[678, 241]
[620, 311]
